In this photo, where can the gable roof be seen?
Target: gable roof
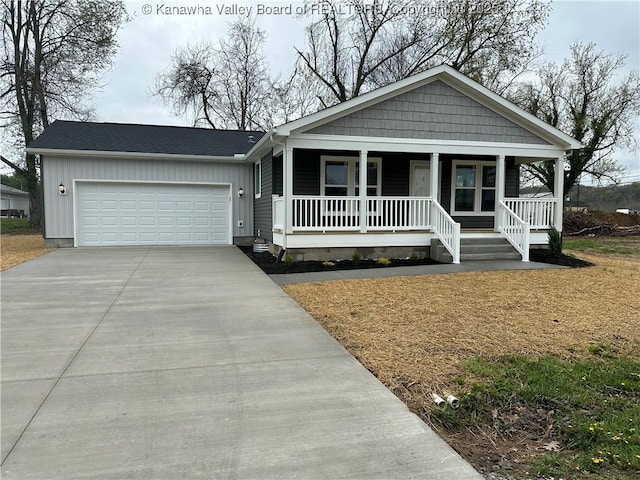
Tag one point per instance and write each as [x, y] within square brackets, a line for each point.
[11, 190]
[449, 76]
[90, 137]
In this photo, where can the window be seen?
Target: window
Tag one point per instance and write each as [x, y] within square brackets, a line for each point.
[257, 179]
[474, 187]
[340, 176]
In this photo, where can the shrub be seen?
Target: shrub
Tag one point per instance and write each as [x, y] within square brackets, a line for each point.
[288, 260]
[328, 264]
[356, 257]
[383, 261]
[555, 242]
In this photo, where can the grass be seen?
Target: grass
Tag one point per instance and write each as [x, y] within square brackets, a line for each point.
[514, 346]
[17, 226]
[589, 405]
[603, 245]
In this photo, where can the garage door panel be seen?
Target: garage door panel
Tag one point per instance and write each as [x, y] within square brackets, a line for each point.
[150, 214]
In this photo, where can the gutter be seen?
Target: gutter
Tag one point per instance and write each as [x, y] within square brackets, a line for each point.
[237, 158]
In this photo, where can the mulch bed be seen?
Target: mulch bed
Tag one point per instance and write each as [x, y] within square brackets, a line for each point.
[270, 264]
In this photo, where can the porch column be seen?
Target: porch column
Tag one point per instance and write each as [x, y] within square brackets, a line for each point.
[363, 190]
[500, 180]
[435, 157]
[287, 159]
[558, 190]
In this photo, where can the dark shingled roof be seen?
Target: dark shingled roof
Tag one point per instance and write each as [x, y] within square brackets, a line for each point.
[123, 137]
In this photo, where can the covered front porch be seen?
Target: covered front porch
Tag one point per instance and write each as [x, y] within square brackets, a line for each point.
[411, 199]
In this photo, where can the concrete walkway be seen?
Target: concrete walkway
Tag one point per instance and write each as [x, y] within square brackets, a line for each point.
[189, 362]
[478, 266]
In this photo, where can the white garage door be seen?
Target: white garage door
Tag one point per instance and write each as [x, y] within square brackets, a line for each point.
[151, 214]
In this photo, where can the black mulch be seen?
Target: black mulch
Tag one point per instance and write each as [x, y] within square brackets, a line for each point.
[543, 256]
[270, 265]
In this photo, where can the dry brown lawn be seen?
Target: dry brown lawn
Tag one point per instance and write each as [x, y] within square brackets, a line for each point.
[415, 332]
[16, 249]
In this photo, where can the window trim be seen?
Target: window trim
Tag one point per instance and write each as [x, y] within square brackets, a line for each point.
[257, 179]
[478, 188]
[351, 168]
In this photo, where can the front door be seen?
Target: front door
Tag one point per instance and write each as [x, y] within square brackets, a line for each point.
[420, 179]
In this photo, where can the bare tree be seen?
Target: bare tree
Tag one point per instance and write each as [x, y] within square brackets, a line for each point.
[356, 46]
[581, 98]
[53, 54]
[223, 86]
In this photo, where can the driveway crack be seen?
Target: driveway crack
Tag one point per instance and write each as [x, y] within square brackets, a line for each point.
[75, 355]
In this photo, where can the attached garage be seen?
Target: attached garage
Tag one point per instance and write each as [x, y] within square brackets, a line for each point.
[111, 184]
[116, 213]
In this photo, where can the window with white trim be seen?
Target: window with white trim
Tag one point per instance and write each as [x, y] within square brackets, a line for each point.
[474, 188]
[257, 179]
[340, 176]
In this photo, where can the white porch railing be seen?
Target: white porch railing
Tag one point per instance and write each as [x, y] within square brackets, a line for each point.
[278, 213]
[398, 213]
[315, 213]
[326, 213]
[515, 229]
[446, 229]
[539, 213]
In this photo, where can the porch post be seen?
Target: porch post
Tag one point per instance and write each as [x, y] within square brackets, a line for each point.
[500, 180]
[558, 190]
[434, 176]
[363, 190]
[287, 158]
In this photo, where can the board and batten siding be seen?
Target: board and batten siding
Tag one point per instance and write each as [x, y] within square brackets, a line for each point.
[59, 214]
[262, 215]
[435, 111]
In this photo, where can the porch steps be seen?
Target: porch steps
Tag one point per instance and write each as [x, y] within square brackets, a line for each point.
[473, 249]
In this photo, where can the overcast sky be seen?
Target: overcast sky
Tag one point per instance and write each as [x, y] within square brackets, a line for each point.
[149, 39]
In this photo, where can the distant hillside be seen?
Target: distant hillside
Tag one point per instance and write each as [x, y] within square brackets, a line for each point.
[606, 199]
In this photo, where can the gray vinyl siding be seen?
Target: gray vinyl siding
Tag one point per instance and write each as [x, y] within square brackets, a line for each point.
[59, 209]
[435, 111]
[277, 175]
[306, 172]
[263, 206]
[511, 178]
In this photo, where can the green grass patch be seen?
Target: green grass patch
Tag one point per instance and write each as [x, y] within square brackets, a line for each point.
[590, 406]
[17, 226]
[604, 245]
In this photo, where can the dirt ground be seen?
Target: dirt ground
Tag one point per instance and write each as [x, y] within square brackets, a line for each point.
[414, 333]
[16, 249]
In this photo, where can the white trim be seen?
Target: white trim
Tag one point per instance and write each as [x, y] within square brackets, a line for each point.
[238, 158]
[412, 145]
[454, 79]
[351, 167]
[413, 163]
[75, 181]
[257, 179]
[327, 240]
[477, 212]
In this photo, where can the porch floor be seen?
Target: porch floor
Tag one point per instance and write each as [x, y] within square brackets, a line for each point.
[469, 266]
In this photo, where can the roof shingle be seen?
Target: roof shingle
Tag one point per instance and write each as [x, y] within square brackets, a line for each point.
[123, 137]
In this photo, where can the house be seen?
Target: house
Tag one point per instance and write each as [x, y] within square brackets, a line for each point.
[439, 155]
[13, 202]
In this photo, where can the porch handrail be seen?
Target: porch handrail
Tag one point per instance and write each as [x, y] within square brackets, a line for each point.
[538, 212]
[446, 229]
[515, 229]
[398, 213]
[338, 213]
[278, 213]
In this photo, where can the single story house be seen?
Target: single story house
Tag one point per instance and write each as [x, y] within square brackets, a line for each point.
[13, 202]
[437, 156]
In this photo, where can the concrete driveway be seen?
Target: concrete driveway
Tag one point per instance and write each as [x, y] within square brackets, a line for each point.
[189, 362]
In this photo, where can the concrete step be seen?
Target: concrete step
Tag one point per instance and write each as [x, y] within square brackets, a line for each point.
[475, 249]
